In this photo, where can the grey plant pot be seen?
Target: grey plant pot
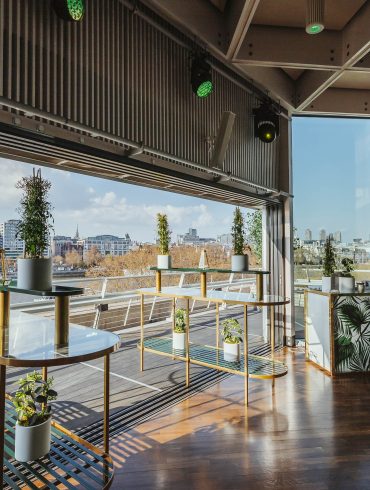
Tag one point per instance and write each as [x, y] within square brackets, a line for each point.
[231, 352]
[32, 442]
[346, 284]
[35, 274]
[239, 263]
[164, 261]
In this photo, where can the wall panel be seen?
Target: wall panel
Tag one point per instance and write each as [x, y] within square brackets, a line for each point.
[117, 73]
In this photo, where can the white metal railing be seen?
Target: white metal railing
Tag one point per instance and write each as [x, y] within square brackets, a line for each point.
[111, 304]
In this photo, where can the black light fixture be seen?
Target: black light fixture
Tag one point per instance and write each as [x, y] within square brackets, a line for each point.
[266, 123]
[201, 78]
[72, 10]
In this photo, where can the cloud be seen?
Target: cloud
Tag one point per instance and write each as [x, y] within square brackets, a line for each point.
[107, 213]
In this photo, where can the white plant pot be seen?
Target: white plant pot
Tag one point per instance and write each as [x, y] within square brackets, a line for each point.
[164, 261]
[239, 263]
[327, 284]
[231, 352]
[35, 274]
[179, 341]
[346, 284]
[32, 442]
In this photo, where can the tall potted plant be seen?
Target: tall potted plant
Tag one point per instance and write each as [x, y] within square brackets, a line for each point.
[232, 335]
[163, 239]
[239, 261]
[179, 330]
[347, 281]
[32, 430]
[36, 223]
[328, 266]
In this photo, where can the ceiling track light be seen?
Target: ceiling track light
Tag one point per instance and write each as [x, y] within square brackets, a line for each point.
[201, 78]
[266, 123]
[315, 10]
[70, 10]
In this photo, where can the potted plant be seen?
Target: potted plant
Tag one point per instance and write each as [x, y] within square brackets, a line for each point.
[32, 430]
[328, 266]
[239, 261]
[347, 281]
[35, 270]
[232, 335]
[179, 330]
[164, 237]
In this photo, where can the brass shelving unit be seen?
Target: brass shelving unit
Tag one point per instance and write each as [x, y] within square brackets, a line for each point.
[248, 366]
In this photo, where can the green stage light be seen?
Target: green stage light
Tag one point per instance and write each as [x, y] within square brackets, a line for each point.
[314, 28]
[205, 89]
[201, 79]
[72, 10]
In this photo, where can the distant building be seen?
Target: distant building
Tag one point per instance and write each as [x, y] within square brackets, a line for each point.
[13, 246]
[192, 238]
[107, 244]
[225, 239]
[337, 237]
[357, 240]
[308, 235]
[104, 244]
[322, 235]
[62, 245]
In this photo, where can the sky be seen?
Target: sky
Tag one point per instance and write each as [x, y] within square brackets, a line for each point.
[331, 176]
[101, 206]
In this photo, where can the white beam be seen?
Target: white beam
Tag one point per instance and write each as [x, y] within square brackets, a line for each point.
[341, 101]
[288, 47]
[239, 18]
[311, 84]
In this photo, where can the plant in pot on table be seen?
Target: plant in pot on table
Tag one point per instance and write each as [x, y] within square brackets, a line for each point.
[239, 261]
[347, 281]
[328, 266]
[232, 335]
[163, 240]
[36, 223]
[179, 330]
[32, 430]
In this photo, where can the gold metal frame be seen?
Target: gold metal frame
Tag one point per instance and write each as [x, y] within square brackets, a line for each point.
[186, 358]
[4, 362]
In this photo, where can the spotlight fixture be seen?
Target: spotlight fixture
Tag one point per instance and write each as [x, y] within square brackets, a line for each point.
[315, 16]
[201, 79]
[72, 10]
[266, 123]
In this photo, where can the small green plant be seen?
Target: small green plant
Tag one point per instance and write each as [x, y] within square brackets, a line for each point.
[36, 219]
[164, 234]
[180, 321]
[348, 267]
[32, 398]
[238, 232]
[231, 331]
[329, 259]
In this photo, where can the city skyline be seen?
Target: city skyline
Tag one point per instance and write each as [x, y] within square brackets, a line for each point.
[98, 206]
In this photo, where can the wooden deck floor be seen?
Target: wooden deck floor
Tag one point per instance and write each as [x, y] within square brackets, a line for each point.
[311, 433]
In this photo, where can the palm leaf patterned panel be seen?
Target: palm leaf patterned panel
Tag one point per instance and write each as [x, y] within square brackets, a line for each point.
[352, 333]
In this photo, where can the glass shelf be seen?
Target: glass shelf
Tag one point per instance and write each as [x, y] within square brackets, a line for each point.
[258, 366]
[197, 269]
[55, 291]
[71, 463]
[29, 341]
[216, 296]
